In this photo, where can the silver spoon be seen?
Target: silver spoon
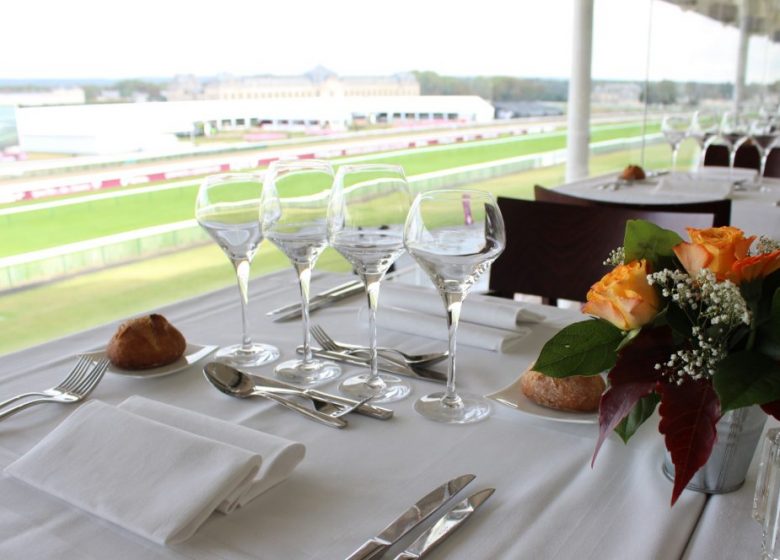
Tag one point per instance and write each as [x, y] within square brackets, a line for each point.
[232, 382]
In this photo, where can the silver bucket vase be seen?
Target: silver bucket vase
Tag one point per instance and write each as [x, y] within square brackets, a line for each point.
[738, 434]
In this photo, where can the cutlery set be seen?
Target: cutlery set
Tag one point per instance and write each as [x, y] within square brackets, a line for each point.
[413, 517]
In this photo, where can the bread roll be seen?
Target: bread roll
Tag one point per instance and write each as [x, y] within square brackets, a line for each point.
[633, 173]
[577, 394]
[146, 342]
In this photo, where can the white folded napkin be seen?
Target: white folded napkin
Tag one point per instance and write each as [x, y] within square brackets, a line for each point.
[713, 171]
[480, 309]
[154, 469]
[696, 186]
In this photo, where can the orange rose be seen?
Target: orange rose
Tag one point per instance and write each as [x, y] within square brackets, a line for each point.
[716, 249]
[624, 297]
[754, 267]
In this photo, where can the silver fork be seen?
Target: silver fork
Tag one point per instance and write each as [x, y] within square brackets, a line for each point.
[71, 380]
[391, 354]
[79, 390]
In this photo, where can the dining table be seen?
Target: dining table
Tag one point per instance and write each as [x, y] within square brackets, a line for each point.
[549, 501]
[754, 209]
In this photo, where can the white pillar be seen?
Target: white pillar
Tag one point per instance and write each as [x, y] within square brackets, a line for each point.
[578, 136]
[742, 52]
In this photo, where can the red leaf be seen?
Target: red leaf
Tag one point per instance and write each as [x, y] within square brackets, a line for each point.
[633, 377]
[772, 408]
[689, 413]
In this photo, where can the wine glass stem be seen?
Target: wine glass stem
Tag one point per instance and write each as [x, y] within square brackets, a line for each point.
[372, 292]
[242, 275]
[304, 281]
[762, 167]
[453, 301]
[675, 150]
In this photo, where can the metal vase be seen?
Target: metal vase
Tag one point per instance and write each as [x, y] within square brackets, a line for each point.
[738, 433]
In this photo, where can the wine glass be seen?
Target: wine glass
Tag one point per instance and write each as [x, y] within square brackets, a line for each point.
[228, 208]
[704, 125]
[294, 218]
[764, 135]
[734, 131]
[368, 208]
[675, 129]
[454, 235]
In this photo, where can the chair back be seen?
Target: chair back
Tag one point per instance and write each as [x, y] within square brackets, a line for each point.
[747, 156]
[720, 209]
[557, 250]
[773, 164]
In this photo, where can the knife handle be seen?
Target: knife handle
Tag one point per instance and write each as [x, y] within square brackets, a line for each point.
[368, 551]
[406, 556]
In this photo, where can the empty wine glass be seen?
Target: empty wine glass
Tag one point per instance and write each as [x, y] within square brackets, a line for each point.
[368, 208]
[764, 134]
[735, 132]
[704, 125]
[675, 128]
[454, 235]
[228, 208]
[294, 218]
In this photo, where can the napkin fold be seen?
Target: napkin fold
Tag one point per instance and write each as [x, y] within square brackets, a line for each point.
[712, 187]
[154, 469]
[485, 322]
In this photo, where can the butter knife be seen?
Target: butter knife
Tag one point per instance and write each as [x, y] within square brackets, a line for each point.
[366, 409]
[411, 518]
[319, 304]
[353, 286]
[445, 526]
[417, 372]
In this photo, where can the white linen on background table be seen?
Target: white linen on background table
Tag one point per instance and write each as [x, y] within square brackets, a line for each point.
[687, 184]
[548, 503]
[153, 469]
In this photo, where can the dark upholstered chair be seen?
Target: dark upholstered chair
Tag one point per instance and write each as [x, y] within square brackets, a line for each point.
[720, 209]
[747, 156]
[557, 250]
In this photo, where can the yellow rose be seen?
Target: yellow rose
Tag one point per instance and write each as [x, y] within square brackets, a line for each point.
[716, 249]
[624, 297]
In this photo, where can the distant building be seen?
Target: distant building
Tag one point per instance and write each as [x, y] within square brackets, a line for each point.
[617, 94]
[520, 109]
[57, 96]
[319, 82]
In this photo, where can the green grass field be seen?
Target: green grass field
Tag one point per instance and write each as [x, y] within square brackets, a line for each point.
[87, 300]
[35, 230]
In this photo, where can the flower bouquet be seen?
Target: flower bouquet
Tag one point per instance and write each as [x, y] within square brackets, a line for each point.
[692, 325]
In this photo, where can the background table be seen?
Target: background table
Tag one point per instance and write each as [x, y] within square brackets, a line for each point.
[549, 503]
[755, 212]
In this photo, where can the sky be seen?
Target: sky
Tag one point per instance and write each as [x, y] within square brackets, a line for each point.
[522, 38]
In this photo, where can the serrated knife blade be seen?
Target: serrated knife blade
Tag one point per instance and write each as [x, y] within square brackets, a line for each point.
[411, 518]
[445, 526]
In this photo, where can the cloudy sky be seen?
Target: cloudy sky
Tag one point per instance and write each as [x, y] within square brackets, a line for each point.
[527, 38]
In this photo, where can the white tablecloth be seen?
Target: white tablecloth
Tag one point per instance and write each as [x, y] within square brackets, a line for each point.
[753, 211]
[548, 503]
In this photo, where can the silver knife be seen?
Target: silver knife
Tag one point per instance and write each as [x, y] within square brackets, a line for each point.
[334, 291]
[365, 409]
[320, 303]
[417, 372]
[410, 519]
[445, 526]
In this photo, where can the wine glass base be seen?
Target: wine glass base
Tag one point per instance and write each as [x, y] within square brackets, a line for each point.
[470, 408]
[307, 373]
[388, 388]
[255, 355]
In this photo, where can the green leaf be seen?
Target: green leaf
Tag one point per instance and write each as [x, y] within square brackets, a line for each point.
[774, 317]
[642, 411]
[584, 348]
[746, 378]
[645, 240]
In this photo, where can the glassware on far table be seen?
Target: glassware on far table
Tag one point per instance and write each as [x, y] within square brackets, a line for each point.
[675, 129]
[228, 208]
[294, 218]
[454, 235]
[368, 207]
[734, 131]
[704, 125]
[764, 134]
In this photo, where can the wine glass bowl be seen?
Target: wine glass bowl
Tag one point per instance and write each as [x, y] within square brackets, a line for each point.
[454, 235]
[705, 125]
[294, 218]
[228, 207]
[675, 129]
[368, 207]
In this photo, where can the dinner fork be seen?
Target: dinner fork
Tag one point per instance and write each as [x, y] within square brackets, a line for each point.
[78, 391]
[391, 354]
[70, 381]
